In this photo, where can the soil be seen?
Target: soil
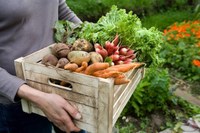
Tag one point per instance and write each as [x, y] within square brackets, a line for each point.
[188, 91]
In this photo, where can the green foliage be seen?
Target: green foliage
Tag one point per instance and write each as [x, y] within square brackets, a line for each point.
[91, 10]
[164, 19]
[182, 48]
[128, 26]
[152, 93]
[129, 128]
[197, 11]
[64, 31]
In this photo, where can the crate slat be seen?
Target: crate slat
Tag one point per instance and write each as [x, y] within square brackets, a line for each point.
[61, 73]
[76, 87]
[89, 101]
[125, 96]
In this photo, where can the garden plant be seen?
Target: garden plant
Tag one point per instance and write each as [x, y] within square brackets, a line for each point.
[174, 53]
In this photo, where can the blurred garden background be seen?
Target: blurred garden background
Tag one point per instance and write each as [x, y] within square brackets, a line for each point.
[155, 105]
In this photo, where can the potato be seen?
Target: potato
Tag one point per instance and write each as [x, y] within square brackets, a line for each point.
[82, 45]
[78, 57]
[95, 57]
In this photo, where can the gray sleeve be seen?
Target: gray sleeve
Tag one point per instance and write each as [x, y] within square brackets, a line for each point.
[65, 13]
[9, 84]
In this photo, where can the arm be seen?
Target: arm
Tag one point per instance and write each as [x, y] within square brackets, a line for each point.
[65, 13]
[9, 85]
[57, 109]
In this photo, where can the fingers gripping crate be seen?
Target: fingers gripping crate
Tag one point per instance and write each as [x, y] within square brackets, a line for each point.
[99, 101]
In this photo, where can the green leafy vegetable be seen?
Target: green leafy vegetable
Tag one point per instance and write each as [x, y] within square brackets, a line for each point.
[129, 28]
[65, 32]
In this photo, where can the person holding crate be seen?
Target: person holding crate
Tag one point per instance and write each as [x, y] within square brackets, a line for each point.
[25, 27]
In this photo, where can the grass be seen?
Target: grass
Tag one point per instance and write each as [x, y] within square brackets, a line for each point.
[164, 19]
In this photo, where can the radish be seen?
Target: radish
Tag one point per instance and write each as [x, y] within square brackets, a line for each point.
[128, 60]
[122, 57]
[116, 40]
[119, 62]
[116, 52]
[123, 51]
[108, 45]
[133, 56]
[114, 57]
[96, 45]
[103, 52]
[130, 52]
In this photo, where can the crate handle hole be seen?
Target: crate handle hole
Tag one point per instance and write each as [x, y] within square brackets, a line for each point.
[60, 84]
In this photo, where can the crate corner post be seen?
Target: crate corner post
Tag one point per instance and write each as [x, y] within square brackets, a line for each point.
[20, 73]
[105, 106]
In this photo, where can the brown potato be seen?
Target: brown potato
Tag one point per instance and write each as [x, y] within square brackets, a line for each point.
[78, 57]
[95, 57]
[82, 45]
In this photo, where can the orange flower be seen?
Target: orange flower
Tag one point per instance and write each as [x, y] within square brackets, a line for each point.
[183, 30]
[187, 35]
[196, 63]
[196, 22]
[198, 35]
[198, 44]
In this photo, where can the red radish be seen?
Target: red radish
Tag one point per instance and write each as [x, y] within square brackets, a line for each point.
[122, 57]
[116, 40]
[116, 52]
[123, 51]
[133, 56]
[127, 61]
[114, 57]
[115, 47]
[119, 62]
[110, 51]
[103, 52]
[96, 45]
[108, 45]
[130, 52]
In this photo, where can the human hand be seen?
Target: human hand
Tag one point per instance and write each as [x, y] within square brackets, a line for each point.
[57, 109]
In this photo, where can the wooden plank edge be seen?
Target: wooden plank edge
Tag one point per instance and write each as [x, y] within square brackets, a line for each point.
[124, 99]
[121, 88]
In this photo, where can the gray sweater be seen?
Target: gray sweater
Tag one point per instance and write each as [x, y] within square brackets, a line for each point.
[25, 27]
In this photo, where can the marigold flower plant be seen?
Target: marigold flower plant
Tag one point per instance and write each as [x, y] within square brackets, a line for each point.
[182, 50]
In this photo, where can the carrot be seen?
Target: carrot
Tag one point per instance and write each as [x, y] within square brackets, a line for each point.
[125, 67]
[109, 74]
[95, 67]
[84, 65]
[71, 66]
[121, 80]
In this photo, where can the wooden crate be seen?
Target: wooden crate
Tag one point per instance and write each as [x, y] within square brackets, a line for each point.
[99, 100]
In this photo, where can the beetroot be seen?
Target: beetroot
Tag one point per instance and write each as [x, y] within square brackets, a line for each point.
[50, 60]
[61, 50]
[62, 62]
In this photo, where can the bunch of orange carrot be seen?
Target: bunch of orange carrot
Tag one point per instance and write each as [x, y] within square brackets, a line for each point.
[104, 70]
